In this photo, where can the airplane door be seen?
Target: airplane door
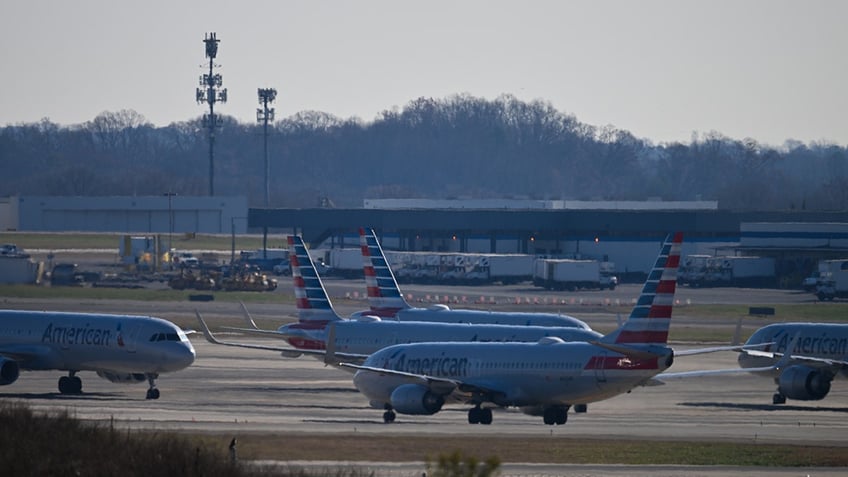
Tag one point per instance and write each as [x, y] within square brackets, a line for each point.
[129, 336]
[600, 372]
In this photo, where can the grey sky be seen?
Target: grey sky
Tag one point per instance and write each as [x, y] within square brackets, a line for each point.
[766, 69]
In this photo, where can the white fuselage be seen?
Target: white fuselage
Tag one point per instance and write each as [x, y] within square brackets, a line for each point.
[817, 340]
[367, 337]
[524, 374]
[93, 342]
[444, 315]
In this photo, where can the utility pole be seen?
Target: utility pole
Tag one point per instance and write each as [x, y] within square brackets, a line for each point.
[211, 93]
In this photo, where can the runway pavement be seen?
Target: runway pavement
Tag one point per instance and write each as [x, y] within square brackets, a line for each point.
[232, 391]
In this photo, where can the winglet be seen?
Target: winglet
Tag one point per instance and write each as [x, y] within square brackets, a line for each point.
[787, 354]
[206, 332]
[247, 316]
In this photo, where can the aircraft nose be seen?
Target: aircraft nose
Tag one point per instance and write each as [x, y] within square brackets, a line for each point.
[183, 356]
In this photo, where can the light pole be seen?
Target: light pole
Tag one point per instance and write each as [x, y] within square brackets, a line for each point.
[211, 94]
[233, 243]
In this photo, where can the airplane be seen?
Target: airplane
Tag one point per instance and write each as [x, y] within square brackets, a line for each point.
[819, 353]
[119, 348]
[545, 378]
[387, 301]
[321, 328]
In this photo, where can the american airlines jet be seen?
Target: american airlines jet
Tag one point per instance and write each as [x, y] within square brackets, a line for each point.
[386, 300]
[321, 328]
[819, 353]
[544, 378]
[120, 348]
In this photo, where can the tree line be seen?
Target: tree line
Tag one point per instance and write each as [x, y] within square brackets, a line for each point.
[456, 147]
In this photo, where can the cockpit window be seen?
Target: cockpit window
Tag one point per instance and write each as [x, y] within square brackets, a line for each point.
[165, 337]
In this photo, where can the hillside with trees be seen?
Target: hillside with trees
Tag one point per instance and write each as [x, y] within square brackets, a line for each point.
[457, 147]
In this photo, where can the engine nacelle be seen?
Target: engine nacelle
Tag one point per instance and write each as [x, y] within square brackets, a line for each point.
[125, 378]
[416, 399]
[9, 371]
[804, 383]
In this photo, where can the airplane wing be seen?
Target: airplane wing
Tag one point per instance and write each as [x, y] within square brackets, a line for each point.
[258, 332]
[836, 363]
[784, 360]
[459, 391]
[24, 352]
[288, 351]
[716, 349]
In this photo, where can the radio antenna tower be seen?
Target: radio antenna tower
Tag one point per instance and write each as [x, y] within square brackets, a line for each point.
[265, 115]
[211, 93]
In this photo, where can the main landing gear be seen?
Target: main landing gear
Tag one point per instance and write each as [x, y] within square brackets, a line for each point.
[389, 415]
[778, 399]
[70, 384]
[556, 415]
[479, 415]
[152, 392]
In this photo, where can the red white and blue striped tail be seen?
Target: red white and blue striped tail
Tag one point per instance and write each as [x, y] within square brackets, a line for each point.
[384, 296]
[650, 319]
[313, 303]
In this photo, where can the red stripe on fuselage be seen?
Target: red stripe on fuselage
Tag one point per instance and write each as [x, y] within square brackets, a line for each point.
[607, 362]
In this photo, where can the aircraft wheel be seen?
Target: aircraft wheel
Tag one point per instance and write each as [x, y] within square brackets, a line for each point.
[389, 417]
[76, 385]
[550, 416]
[65, 385]
[153, 393]
[562, 416]
[581, 408]
[486, 416]
[778, 399]
[474, 415]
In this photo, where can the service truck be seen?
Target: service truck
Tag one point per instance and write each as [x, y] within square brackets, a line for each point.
[740, 271]
[833, 279]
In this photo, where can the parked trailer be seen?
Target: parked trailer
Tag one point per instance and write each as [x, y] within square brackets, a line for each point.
[567, 274]
[833, 279]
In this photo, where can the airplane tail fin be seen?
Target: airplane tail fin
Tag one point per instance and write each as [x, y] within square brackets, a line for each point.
[651, 316]
[384, 296]
[313, 303]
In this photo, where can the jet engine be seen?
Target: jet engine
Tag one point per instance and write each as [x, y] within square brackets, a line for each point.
[9, 371]
[123, 377]
[416, 399]
[804, 383]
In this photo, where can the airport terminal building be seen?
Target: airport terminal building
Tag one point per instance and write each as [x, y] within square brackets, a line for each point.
[624, 232]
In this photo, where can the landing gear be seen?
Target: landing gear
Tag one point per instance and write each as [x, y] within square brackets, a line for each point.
[581, 408]
[389, 415]
[478, 415]
[152, 392]
[556, 415]
[778, 399]
[70, 384]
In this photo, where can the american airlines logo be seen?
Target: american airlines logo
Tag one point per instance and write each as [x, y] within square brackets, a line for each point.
[820, 346]
[436, 366]
[85, 335]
